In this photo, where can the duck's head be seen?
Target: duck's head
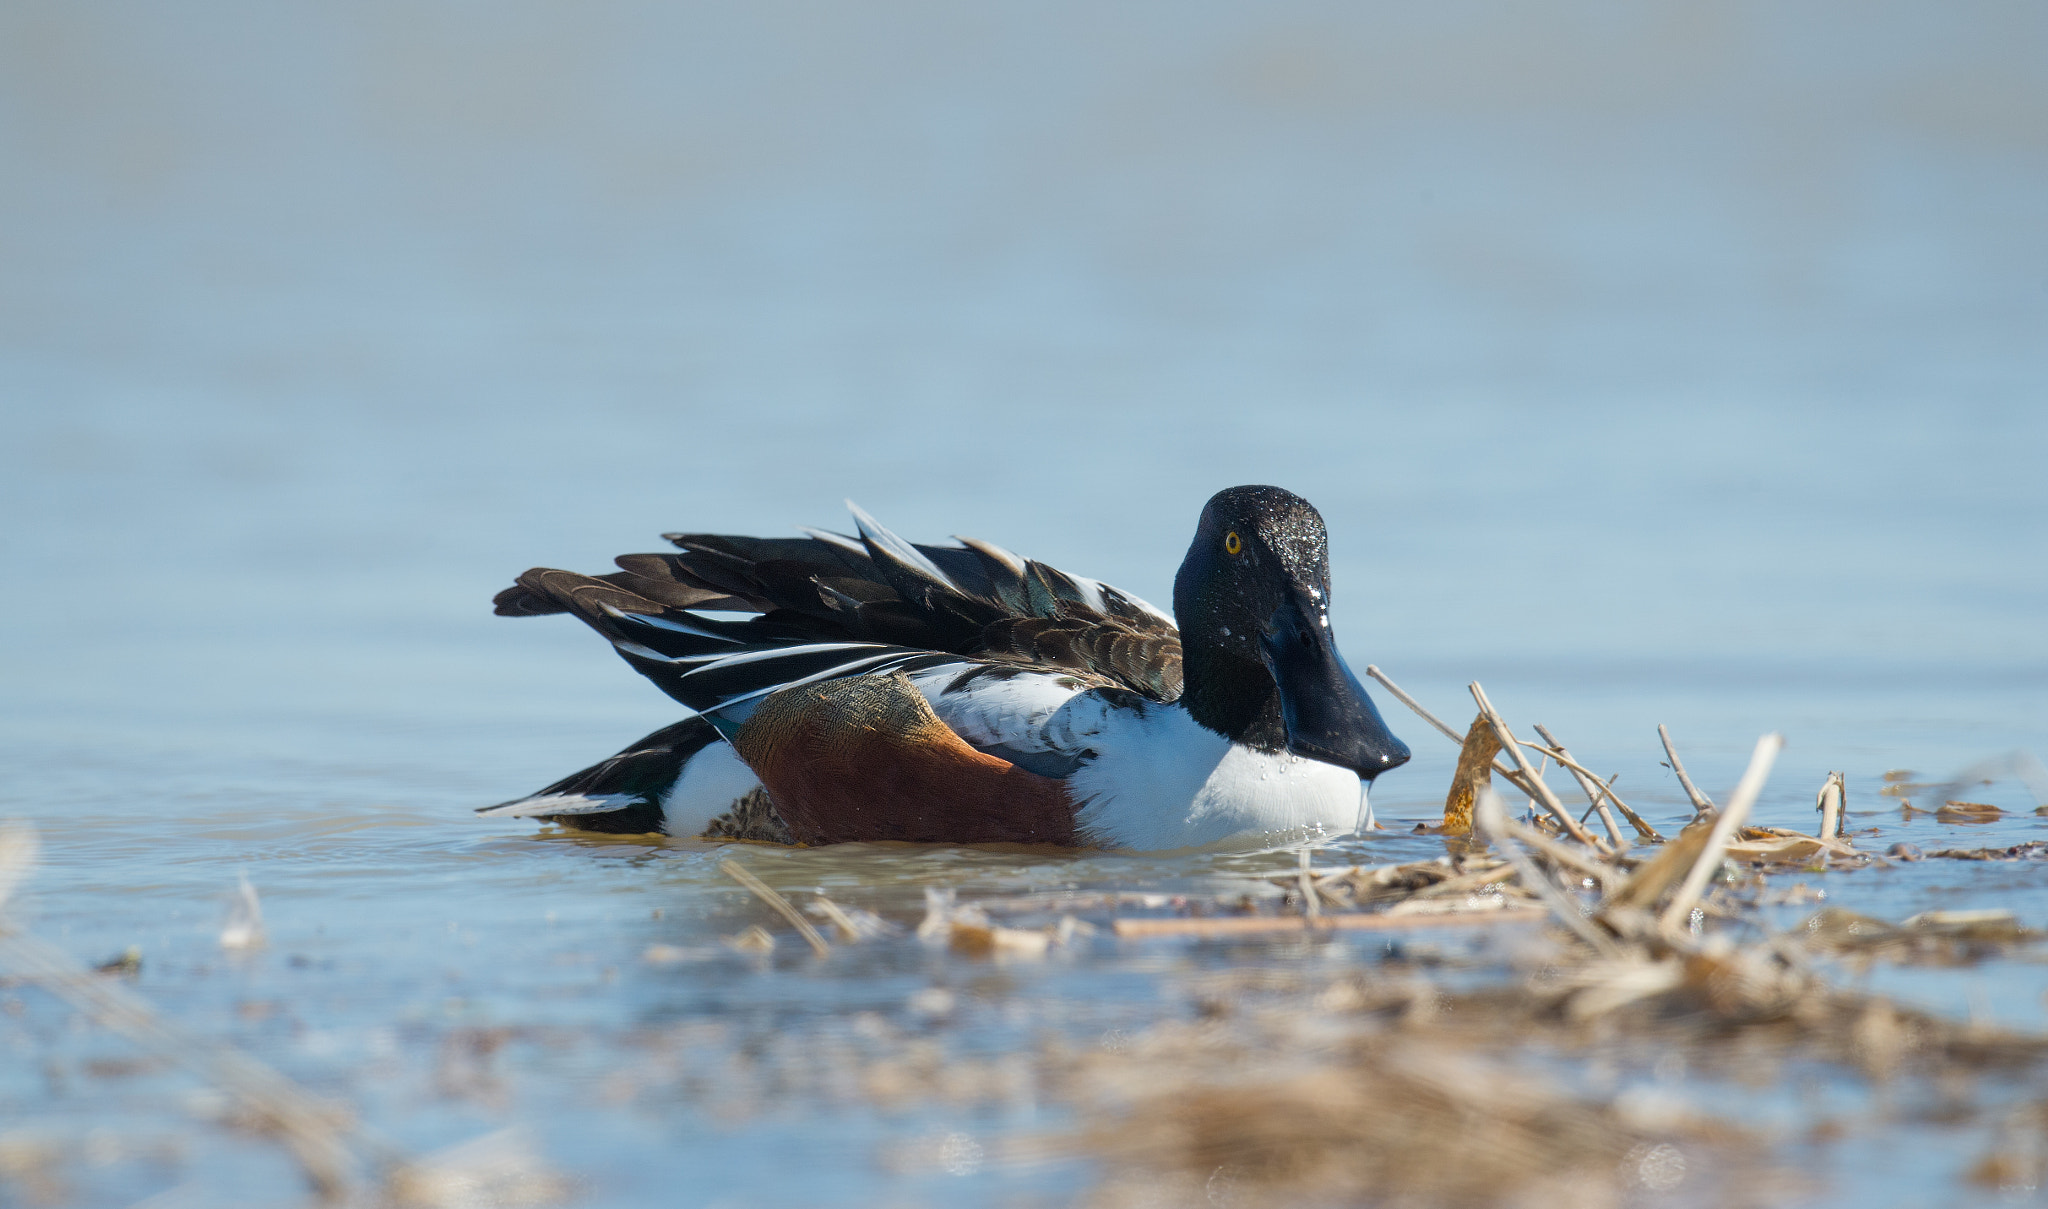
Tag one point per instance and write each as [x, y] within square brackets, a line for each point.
[1260, 662]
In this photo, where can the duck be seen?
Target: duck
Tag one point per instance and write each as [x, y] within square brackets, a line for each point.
[863, 688]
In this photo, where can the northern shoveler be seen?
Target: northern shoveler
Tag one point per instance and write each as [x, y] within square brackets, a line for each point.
[960, 694]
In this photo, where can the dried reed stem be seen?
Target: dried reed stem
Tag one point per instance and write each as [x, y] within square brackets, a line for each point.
[1831, 795]
[1542, 770]
[1701, 803]
[1533, 783]
[1586, 784]
[1564, 758]
[766, 893]
[1508, 836]
[1305, 880]
[1513, 778]
[1402, 695]
[1635, 820]
[1653, 877]
[1251, 925]
[1566, 856]
[1731, 817]
[849, 931]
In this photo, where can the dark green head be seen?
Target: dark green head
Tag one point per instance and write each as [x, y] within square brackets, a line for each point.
[1252, 600]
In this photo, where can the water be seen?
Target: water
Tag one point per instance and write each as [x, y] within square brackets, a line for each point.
[1649, 364]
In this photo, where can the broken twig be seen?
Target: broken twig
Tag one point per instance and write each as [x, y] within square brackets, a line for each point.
[1701, 803]
[1709, 862]
[1513, 778]
[1248, 925]
[1587, 782]
[766, 893]
[1533, 783]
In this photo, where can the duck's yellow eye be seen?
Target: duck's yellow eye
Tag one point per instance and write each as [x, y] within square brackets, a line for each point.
[1231, 543]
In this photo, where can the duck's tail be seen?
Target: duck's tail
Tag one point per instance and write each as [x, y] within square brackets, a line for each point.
[625, 794]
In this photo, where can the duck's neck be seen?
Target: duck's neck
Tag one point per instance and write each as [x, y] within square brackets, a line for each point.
[1232, 696]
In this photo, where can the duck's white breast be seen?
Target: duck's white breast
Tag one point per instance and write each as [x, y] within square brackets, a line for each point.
[1160, 780]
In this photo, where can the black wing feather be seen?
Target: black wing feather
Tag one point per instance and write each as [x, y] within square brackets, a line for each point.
[974, 600]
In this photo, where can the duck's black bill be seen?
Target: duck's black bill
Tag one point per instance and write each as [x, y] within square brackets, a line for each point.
[1329, 717]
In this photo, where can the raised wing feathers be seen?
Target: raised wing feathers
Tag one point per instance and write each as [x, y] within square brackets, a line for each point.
[876, 590]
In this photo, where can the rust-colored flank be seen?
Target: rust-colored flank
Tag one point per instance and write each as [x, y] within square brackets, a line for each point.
[865, 758]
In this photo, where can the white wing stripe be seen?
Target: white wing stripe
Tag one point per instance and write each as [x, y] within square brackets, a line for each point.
[664, 623]
[562, 803]
[736, 658]
[834, 539]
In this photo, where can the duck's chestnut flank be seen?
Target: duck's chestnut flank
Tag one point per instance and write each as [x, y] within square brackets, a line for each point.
[886, 689]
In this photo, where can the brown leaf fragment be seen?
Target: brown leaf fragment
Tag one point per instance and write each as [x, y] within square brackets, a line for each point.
[1475, 772]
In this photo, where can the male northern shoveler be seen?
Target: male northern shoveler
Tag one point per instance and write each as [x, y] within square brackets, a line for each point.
[961, 694]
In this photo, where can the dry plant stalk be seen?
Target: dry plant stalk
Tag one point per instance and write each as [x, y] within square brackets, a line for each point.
[849, 931]
[1635, 820]
[1587, 783]
[1701, 803]
[767, 894]
[1830, 805]
[1532, 781]
[1509, 835]
[1475, 772]
[1739, 802]
[1512, 776]
[1256, 925]
[1658, 874]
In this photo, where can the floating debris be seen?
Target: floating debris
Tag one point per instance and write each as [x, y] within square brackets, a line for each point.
[767, 894]
[127, 965]
[755, 939]
[967, 929]
[244, 926]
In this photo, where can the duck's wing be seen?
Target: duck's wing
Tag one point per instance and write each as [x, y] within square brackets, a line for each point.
[829, 597]
[714, 666]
